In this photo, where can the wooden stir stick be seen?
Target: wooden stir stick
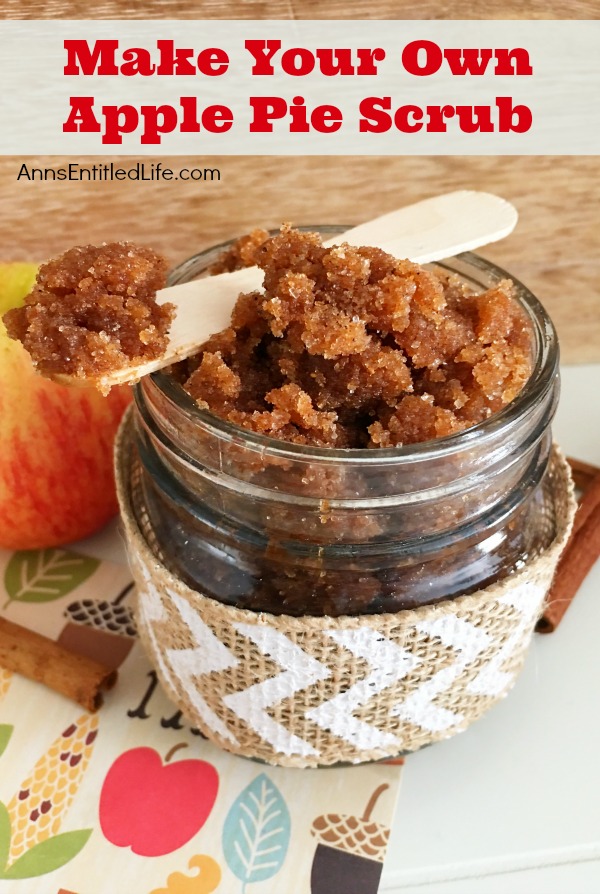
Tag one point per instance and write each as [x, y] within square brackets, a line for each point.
[435, 228]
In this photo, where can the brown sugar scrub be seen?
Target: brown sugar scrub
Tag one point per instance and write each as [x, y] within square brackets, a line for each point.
[293, 525]
[93, 310]
[349, 347]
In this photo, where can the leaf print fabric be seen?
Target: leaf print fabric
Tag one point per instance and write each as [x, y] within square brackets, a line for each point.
[256, 832]
[42, 575]
[50, 832]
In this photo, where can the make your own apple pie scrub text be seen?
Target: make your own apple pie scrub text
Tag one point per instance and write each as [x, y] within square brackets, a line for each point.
[376, 114]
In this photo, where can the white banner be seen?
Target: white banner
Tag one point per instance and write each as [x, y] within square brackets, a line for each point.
[300, 87]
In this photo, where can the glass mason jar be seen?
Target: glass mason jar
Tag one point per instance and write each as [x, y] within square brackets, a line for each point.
[272, 526]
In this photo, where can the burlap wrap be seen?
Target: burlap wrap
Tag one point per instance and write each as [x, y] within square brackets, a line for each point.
[306, 692]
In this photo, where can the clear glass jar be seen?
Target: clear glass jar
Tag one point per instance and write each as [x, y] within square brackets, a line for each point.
[272, 526]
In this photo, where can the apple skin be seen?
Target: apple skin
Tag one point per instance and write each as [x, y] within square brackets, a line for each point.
[56, 444]
[155, 808]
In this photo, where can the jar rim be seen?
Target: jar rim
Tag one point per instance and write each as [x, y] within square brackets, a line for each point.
[544, 372]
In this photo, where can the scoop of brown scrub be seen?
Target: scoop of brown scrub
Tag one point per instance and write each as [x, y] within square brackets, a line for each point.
[101, 316]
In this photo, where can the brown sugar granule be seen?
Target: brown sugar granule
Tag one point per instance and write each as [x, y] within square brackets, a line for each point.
[350, 347]
[241, 253]
[93, 310]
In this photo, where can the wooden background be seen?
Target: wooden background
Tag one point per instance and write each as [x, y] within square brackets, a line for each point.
[555, 249]
[299, 9]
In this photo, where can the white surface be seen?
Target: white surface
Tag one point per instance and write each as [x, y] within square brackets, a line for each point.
[513, 804]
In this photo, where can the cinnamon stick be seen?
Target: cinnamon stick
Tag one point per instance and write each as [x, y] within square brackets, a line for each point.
[581, 551]
[39, 658]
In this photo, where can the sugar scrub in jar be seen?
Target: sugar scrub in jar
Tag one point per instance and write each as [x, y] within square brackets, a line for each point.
[348, 503]
[300, 527]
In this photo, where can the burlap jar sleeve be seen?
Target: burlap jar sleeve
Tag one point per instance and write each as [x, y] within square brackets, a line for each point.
[307, 692]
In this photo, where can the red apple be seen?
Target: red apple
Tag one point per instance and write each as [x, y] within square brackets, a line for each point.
[56, 478]
[155, 808]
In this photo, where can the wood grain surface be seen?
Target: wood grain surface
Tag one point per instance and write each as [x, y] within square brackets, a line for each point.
[555, 249]
[299, 9]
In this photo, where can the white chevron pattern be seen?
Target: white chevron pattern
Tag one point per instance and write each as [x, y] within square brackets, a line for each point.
[209, 655]
[389, 663]
[250, 705]
[468, 641]
[527, 600]
[150, 610]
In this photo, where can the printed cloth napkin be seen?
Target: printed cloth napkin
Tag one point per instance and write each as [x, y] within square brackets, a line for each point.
[132, 798]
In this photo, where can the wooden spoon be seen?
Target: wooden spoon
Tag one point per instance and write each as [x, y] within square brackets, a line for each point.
[435, 228]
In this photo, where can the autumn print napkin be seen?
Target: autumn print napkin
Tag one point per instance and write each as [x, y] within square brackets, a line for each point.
[132, 798]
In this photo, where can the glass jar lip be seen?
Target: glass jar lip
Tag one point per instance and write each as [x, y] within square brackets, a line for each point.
[544, 372]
